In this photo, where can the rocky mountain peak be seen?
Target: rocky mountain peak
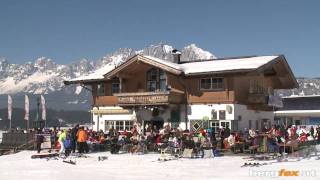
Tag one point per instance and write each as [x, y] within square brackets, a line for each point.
[192, 52]
[3, 64]
[43, 64]
[45, 76]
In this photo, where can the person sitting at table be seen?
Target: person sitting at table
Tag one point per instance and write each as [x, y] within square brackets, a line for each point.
[237, 136]
[273, 145]
[231, 141]
[252, 134]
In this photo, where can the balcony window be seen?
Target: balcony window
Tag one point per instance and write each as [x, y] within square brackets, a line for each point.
[156, 80]
[256, 87]
[162, 81]
[100, 89]
[152, 80]
[217, 83]
[205, 83]
[115, 88]
[211, 84]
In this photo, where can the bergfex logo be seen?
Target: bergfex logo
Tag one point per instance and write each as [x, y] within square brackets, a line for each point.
[284, 172]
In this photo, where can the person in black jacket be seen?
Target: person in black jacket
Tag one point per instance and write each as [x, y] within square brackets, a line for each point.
[74, 132]
[39, 140]
[227, 132]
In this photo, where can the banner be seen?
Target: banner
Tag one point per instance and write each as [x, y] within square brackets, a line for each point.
[9, 107]
[26, 107]
[43, 107]
[275, 101]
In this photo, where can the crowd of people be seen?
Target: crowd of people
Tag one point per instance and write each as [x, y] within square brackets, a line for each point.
[152, 138]
[271, 139]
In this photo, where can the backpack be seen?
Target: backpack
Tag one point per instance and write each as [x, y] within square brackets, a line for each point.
[67, 143]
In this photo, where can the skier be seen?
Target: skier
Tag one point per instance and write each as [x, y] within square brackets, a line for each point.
[82, 139]
[39, 140]
[74, 132]
[67, 145]
[62, 138]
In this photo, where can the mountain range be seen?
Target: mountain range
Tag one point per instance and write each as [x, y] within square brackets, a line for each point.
[44, 76]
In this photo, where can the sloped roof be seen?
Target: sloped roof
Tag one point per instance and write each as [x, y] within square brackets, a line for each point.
[301, 103]
[214, 66]
[94, 76]
[217, 65]
[238, 64]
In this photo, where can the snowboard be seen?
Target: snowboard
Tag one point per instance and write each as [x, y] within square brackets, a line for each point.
[44, 155]
[69, 162]
[102, 158]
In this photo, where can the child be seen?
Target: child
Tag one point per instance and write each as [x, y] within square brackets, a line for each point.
[67, 145]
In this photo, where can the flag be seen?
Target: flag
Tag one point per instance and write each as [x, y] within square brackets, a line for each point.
[26, 107]
[9, 107]
[43, 107]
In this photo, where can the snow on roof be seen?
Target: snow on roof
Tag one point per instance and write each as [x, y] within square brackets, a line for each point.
[96, 75]
[168, 63]
[248, 63]
[189, 68]
[298, 113]
[305, 96]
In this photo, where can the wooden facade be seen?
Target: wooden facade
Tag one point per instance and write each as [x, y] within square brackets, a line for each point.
[242, 87]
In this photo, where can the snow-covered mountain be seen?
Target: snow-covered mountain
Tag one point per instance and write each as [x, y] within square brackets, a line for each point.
[44, 76]
[307, 86]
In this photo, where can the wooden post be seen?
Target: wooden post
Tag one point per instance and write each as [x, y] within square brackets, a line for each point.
[120, 84]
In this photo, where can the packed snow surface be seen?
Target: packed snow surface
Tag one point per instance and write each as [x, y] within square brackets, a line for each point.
[126, 166]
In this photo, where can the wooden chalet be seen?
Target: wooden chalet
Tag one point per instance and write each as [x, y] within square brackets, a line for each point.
[210, 93]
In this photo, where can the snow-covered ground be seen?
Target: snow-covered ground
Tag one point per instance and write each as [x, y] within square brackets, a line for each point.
[126, 166]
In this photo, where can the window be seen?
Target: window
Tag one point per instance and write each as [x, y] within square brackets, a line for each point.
[156, 79]
[128, 125]
[256, 87]
[217, 83]
[162, 80]
[250, 124]
[115, 88]
[214, 114]
[109, 125]
[222, 115]
[152, 80]
[215, 126]
[119, 125]
[205, 83]
[100, 89]
[225, 124]
[211, 83]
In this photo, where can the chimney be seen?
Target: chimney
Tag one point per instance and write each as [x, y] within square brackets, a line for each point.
[176, 56]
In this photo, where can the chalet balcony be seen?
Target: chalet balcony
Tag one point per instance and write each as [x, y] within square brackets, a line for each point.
[148, 98]
[257, 98]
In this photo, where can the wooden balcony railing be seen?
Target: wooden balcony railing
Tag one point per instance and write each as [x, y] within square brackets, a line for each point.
[257, 98]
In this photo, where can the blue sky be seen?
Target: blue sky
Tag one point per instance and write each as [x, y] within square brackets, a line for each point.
[67, 30]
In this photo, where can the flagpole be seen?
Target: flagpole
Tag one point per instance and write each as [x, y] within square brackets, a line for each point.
[10, 111]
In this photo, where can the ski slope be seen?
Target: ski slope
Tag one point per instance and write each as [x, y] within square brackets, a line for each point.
[126, 166]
